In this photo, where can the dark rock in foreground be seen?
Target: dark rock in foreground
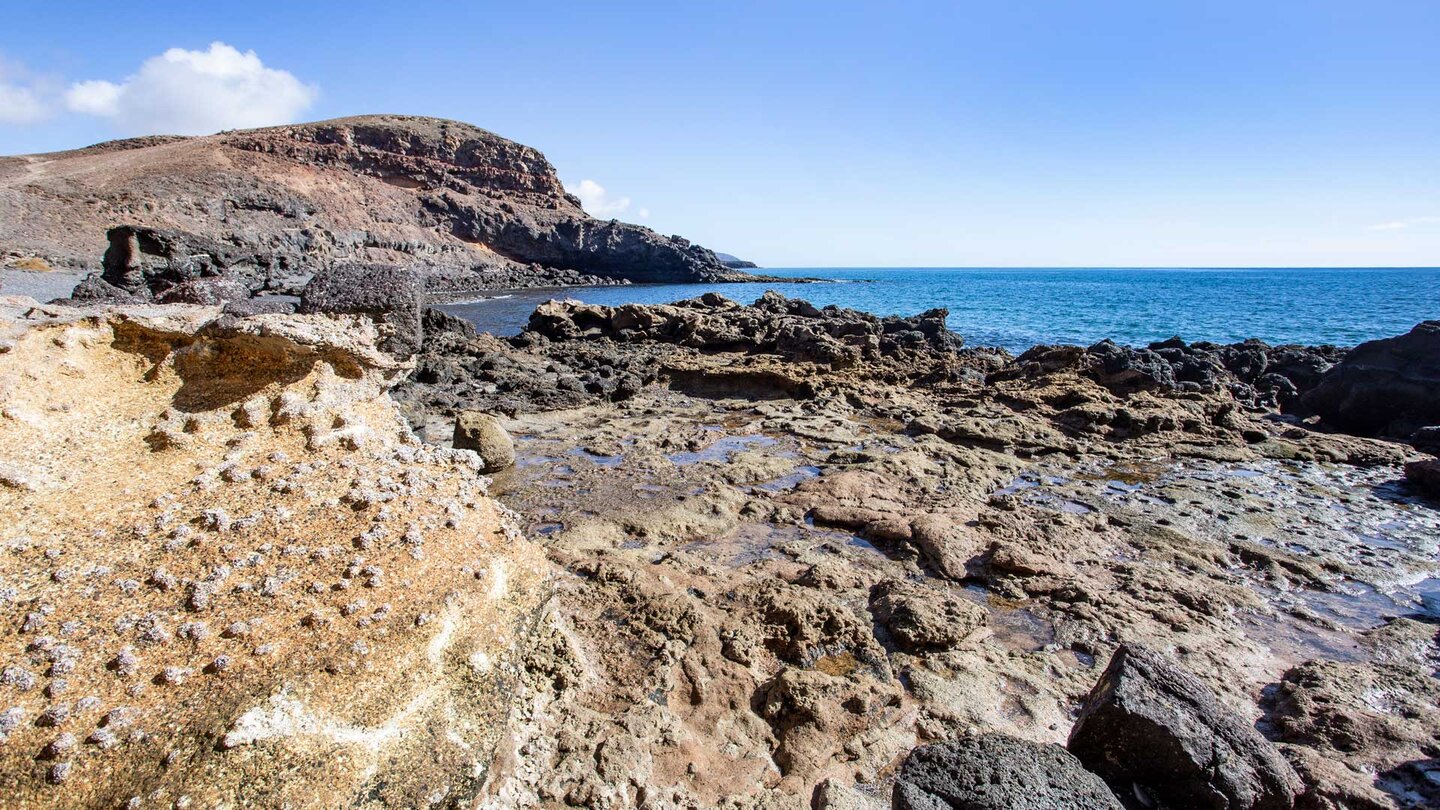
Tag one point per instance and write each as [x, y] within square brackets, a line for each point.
[1388, 387]
[1152, 727]
[997, 772]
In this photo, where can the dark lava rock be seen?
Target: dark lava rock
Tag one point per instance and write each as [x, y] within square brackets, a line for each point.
[95, 290]
[260, 306]
[149, 261]
[792, 328]
[1256, 373]
[1388, 387]
[1425, 475]
[212, 291]
[389, 293]
[1149, 726]
[997, 772]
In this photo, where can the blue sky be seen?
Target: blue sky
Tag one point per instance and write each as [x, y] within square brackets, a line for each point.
[843, 134]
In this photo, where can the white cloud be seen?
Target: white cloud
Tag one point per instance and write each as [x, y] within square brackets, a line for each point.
[598, 202]
[1402, 224]
[21, 105]
[184, 92]
[23, 99]
[644, 213]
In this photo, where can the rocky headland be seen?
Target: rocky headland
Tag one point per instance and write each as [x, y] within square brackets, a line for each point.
[267, 207]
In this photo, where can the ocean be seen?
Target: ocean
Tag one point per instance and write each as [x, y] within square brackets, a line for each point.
[1019, 308]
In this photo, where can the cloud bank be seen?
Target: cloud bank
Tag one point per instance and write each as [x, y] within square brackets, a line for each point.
[184, 92]
[22, 101]
[597, 201]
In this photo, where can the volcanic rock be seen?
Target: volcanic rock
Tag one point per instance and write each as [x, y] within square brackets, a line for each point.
[272, 205]
[1149, 724]
[997, 772]
[390, 294]
[1388, 387]
[223, 615]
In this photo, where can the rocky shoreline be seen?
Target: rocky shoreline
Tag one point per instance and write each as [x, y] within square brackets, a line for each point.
[801, 542]
[756, 556]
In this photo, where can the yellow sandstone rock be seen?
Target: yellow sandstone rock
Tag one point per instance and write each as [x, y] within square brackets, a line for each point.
[231, 576]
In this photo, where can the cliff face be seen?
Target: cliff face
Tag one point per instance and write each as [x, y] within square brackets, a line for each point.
[477, 210]
[232, 574]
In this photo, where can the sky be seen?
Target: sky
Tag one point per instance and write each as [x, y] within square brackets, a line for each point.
[813, 134]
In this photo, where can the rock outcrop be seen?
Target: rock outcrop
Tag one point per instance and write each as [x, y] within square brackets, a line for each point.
[271, 205]
[1388, 387]
[1254, 372]
[231, 574]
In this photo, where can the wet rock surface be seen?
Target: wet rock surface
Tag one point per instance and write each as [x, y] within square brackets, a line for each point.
[787, 565]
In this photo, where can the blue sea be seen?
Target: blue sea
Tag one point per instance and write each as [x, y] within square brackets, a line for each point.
[1018, 308]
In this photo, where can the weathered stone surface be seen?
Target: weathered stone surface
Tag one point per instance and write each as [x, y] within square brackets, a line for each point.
[256, 583]
[924, 618]
[390, 294]
[997, 772]
[1151, 724]
[482, 433]
[1388, 387]
[260, 306]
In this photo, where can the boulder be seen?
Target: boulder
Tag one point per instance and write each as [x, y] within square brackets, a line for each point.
[1424, 474]
[482, 433]
[390, 294]
[1152, 728]
[1387, 387]
[997, 772]
[95, 290]
[924, 618]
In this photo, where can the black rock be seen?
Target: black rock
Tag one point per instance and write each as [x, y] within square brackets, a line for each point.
[148, 261]
[1149, 727]
[1425, 475]
[1388, 387]
[95, 290]
[391, 294]
[260, 306]
[212, 291]
[997, 772]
